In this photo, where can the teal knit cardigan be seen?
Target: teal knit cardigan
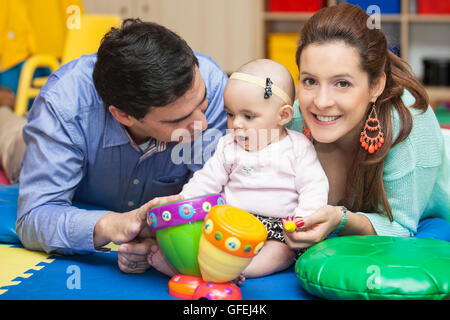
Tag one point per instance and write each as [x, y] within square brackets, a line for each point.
[416, 173]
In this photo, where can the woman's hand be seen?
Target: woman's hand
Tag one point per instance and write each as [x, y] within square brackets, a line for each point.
[324, 221]
[316, 228]
[131, 231]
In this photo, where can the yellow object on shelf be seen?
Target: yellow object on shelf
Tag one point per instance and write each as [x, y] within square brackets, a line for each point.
[86, 38]
[281, 48]
[49, 20]
[231, 238]
[16, 33]
[33, 27]
[83, 37]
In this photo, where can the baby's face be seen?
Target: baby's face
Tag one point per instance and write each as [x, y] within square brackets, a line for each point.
[254, 121]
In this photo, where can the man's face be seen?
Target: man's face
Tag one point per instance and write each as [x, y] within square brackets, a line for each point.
[182, 118]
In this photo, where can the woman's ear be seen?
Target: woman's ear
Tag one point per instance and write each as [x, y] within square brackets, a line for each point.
[121, 116]
[286, 113]
[378, 87]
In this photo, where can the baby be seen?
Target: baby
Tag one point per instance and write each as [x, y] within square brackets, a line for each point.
[259, 165]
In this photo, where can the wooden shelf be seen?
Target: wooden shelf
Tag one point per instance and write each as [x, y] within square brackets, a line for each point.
[438, 93]
[287, 16]
[404, 19]
[391, 17]
[302, 16]
[429, 18]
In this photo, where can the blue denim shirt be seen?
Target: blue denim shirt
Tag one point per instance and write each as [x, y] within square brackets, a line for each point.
[76, 151]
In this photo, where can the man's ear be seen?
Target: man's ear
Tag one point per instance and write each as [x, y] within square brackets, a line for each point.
[121, 116]
[286, 113]
[378, 87]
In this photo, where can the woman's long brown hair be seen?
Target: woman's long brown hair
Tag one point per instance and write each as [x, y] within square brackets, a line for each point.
[365, 190]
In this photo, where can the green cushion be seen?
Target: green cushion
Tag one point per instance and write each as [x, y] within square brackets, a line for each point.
[376, 267]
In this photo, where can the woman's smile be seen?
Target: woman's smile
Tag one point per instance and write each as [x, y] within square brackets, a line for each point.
[325, 120]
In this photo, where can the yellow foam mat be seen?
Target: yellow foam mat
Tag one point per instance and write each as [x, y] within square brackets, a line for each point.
[112, 246]
[18, 262]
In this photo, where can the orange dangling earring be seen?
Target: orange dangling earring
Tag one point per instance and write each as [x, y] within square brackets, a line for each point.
[372, 144]
[306, 132]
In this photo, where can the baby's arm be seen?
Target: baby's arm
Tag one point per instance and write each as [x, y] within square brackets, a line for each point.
[311, 181]
[211, 178]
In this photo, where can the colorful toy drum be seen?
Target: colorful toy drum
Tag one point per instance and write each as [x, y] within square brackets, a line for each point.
[217, 291]
[178, 227]
[231, 238]
[183, 286]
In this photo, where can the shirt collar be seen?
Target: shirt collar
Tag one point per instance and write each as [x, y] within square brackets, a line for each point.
[116, 135]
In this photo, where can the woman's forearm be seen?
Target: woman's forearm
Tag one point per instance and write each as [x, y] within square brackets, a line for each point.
[357, 224]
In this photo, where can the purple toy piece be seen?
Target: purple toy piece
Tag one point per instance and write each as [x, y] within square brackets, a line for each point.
[183, 211]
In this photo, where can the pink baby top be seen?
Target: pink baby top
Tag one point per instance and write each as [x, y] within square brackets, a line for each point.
[283, 179]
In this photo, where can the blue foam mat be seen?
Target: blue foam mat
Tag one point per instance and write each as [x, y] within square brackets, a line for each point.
[100, 278]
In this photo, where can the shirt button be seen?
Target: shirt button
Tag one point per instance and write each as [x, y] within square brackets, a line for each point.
[130, 203]
[135, 181]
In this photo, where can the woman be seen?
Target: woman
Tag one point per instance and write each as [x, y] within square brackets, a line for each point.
[376, 137]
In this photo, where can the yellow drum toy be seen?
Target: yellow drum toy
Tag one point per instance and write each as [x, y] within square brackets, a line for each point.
[231, 238]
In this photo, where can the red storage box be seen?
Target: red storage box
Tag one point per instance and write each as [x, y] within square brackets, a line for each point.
[295, 5]
[433, 6]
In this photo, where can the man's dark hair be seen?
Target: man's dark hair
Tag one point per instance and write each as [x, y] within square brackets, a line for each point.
[142, 65]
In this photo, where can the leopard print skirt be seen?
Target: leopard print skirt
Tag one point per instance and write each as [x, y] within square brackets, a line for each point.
[275, 229]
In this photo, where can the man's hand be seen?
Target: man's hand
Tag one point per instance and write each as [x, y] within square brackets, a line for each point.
[131, 232]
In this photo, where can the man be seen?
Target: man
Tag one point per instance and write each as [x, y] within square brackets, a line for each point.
[101, 132]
